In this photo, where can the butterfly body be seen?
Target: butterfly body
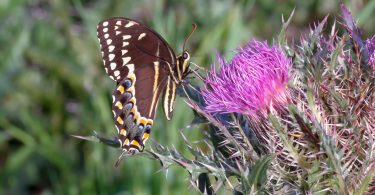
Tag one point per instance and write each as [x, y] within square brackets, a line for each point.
[144, 67]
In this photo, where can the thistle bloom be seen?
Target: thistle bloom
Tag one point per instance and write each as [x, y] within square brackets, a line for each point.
[370, 44]
[252, 83]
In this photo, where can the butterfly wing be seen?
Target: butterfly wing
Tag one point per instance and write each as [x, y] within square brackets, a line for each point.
[134, 104]
[169, 95]
[140, 61]
[125, 44]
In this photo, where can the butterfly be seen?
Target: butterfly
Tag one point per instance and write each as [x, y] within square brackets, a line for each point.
[144, 67]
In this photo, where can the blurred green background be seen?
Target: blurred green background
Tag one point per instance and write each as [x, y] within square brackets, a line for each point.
[52, 84]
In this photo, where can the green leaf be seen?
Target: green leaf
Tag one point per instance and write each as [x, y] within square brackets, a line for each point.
[282, 35]
[258, 173]
[293, 151]
[364, 185]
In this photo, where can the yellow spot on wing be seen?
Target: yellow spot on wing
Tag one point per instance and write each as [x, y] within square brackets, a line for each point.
[120, 121]
[131, 90]
[135, 143]
[126, 143]
[119, 105]
[123, 132]
[132, 100]
[133, 110]
[145, 136]
[121, 89]
[142, 121]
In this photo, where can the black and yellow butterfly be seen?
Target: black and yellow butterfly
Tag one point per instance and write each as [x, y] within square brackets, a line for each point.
[144, 67]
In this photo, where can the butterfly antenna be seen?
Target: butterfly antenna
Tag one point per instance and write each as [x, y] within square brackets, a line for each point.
[187, 38]
[199, 67]
[197, 74]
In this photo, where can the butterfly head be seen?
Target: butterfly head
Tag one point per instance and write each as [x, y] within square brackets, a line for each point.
[183, 65]
[183, 60]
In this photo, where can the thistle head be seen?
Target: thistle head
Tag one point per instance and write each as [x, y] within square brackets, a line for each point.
[252, 83]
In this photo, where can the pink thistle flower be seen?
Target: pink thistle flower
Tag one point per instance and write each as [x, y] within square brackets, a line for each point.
[370, 44]
[254, 82]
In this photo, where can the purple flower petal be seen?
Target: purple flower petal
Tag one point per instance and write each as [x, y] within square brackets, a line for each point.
[254, 80]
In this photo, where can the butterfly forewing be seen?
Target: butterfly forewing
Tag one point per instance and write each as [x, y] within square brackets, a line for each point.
[140, 61]
[126, 43]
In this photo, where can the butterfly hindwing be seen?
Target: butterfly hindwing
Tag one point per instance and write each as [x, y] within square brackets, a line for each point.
[134, 110]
